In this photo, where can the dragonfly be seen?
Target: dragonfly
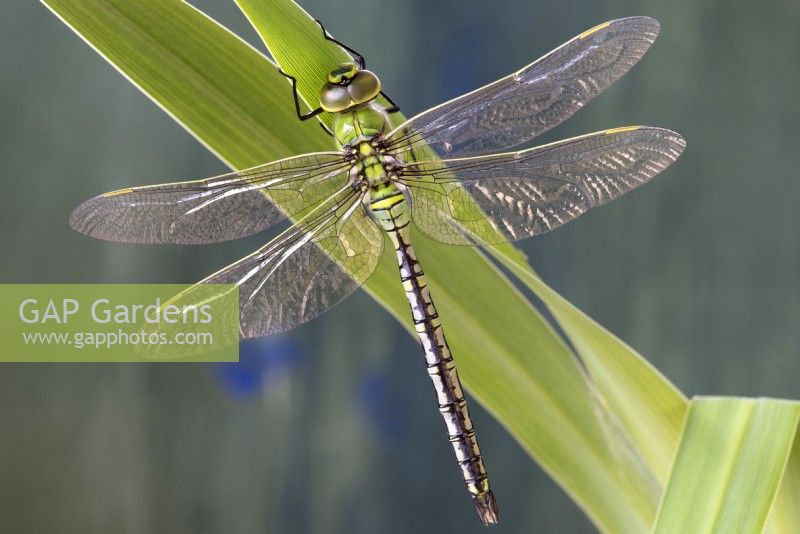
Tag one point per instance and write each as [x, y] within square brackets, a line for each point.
[451, 171]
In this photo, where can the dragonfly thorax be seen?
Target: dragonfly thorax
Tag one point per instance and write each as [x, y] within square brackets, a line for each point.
[361, 124]
[371, 165]
[374, 173]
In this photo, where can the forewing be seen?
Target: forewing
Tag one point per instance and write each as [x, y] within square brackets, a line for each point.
[519, 107]
[304, 271]
[505, 197]
[216, 209]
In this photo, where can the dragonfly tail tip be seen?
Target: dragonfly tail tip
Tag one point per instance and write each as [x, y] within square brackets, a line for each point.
[486, 507]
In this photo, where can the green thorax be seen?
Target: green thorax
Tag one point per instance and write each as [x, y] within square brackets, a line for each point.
[357, 128]
[360, 123]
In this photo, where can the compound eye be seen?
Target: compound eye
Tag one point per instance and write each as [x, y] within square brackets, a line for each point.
[364, 87]
[343, 73]
[334, 98]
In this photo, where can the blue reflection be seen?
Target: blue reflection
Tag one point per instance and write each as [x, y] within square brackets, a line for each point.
[260, 360]
[384, 406]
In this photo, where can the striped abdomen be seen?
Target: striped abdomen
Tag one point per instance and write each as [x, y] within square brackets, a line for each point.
[391, 210]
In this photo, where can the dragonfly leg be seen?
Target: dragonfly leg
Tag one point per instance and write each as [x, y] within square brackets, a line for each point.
[300, 115]
[328, 37]
[394, 107]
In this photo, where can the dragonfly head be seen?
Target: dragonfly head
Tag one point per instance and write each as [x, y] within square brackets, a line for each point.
[348, 86]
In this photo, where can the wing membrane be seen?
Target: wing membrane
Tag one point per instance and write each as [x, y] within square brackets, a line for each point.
[216, 209]
[304, 271]
[519, 107]
[505, 197]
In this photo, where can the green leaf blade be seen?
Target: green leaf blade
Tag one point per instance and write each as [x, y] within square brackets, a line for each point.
[729, 465]
[643, 402]
[172, 53]
[785, 515]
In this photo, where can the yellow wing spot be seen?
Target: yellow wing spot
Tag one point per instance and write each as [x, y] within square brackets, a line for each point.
[621, 129]
[118, 192]
[597, 28]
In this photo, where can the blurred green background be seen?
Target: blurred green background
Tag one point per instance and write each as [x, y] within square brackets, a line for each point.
[333, 428]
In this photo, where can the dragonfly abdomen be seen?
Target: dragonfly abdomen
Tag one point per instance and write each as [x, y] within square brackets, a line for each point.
[388, 206]
[440, 363]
